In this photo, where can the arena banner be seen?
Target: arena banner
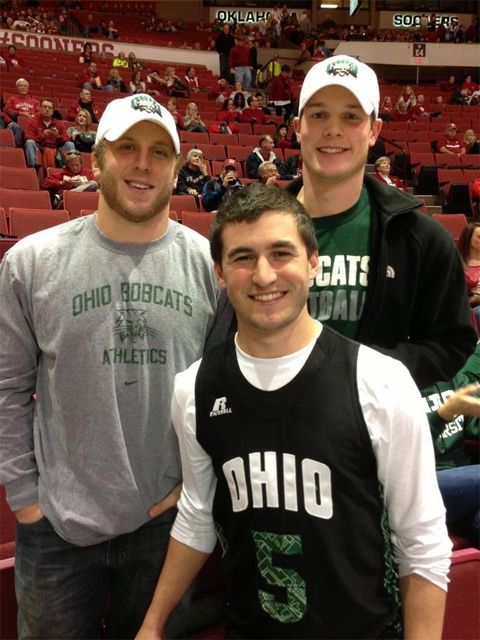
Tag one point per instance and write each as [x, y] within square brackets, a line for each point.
[24, 39]
[409, 19]
[234, 14]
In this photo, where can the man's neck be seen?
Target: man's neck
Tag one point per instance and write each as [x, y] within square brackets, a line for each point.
[328, 198]
[279, 343]
[119, 229]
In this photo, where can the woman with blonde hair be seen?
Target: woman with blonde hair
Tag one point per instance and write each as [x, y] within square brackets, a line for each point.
[80, 134]
[470, 141]
[192, 120]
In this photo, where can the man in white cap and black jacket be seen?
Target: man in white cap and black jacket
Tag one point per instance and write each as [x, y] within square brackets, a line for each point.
[389, 276]
[97, 317]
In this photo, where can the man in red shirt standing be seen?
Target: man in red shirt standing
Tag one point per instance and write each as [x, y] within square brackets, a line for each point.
[240, 62]
[44, 132]
[281, 93]
[450, 143]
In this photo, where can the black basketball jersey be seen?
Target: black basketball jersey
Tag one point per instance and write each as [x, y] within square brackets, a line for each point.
[298, 506]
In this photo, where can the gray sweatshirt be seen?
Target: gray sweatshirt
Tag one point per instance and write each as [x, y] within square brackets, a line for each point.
[98, 329]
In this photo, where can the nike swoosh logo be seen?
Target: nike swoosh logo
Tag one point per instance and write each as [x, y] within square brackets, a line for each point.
[127, 384]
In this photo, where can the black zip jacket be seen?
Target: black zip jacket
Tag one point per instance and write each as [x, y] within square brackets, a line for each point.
[416, 309]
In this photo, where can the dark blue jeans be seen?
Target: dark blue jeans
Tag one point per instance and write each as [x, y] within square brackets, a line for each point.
[460, 489]
[63, 590]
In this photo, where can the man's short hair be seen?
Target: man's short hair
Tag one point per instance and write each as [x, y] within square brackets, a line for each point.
[285, 68]
[250, 99]
[47, 100]
[22, 80]
[249, 204]
[264, 138]
[264, 166]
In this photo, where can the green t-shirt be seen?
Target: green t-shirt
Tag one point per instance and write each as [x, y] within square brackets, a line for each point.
[338, 293]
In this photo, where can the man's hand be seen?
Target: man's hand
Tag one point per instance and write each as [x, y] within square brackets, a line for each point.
[168, 502]
[30, 514]
[464, 401]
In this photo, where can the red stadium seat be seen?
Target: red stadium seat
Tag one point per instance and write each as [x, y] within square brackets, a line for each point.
[14, 178]
[6, 138]
[183, 203]
[75, 201]
[12, 157]
[24, 222]
[22, 198]
[199, 221]
[462, 613]
[4, 228]
[454, 222]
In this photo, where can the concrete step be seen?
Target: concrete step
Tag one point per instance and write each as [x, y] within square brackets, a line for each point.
[429, 199]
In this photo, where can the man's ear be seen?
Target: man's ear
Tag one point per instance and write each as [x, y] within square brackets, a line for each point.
[313, 262]
[375, 131]
[97, 172]
[219, 273]
[296, 128]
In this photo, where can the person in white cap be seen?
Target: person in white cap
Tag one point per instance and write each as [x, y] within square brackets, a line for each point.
[389, 276]
[97, 317]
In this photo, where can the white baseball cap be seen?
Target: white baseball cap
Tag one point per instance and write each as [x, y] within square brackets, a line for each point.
[120, 115]
[347, 72]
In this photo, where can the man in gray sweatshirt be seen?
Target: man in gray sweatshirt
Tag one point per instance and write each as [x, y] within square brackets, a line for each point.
[97, 316]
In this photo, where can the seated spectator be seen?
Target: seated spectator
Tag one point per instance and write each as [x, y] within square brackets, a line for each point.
[218, 190]
[281, 93]
[401, 113]
[469, 85]
[92, 79]
[305, 54]
[382, 173]
[20, 104]
[120, 61]
[261, 103]
[321, 52]
[419, 109]
[193, 176]
[238, 88]
[47, 134]
[239, 101]
[386, 108]
[174, 85]
[470, 142]
[86, 56]
[12, 59]
[91, 28]
[137, 84]
[223, 90]
[82, 137]
[156, 85]
[453, 412]
[293, 165]
[450, 143]
[262, 153]
[133, 62]
[201, 26]
[111, 33]
[115, 82]
[192, 120]
[192, 81]
[228, 112]
[407, 96]
[251, 113]
[469, 249]
[84, 102]
[268, 174]
[460, 96]
[72, 177]
[172, 107]
[281, 137]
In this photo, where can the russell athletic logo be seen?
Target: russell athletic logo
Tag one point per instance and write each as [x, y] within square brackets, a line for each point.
[220, 408]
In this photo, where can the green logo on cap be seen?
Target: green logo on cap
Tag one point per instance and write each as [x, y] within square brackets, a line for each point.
[342, 68]
[146, 103]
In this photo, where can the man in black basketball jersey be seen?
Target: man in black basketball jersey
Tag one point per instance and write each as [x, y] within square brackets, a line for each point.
[307, 454]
